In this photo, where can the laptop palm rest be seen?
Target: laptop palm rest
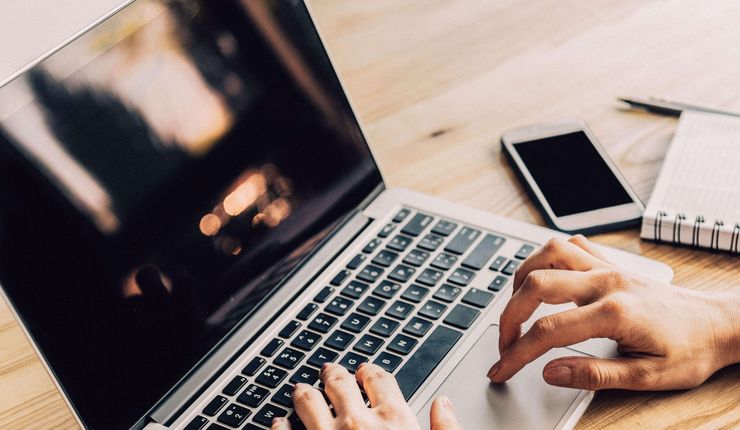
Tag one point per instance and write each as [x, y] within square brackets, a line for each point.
[524, 402]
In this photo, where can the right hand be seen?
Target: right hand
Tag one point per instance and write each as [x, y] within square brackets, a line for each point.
[668, 337]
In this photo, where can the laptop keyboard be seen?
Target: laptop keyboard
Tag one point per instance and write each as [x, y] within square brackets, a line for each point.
[403, 302]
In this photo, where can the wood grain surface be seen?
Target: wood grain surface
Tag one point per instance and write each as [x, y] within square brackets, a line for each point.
[436, 82]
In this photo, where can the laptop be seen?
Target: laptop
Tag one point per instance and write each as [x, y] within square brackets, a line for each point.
[191, 221]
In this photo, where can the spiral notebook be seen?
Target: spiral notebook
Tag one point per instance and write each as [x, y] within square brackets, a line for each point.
[696, 200]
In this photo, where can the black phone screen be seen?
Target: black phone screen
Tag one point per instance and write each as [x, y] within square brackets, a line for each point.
[571, 174]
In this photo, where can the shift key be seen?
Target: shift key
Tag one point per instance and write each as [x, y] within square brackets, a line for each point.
[460, 243]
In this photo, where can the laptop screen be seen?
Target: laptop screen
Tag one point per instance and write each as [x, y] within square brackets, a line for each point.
[158, 177]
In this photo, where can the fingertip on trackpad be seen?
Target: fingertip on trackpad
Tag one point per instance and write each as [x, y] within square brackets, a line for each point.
[524, 402]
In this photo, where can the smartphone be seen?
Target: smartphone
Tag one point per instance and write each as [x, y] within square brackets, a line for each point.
[565, 170]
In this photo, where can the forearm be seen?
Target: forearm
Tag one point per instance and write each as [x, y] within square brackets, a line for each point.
[728, 326]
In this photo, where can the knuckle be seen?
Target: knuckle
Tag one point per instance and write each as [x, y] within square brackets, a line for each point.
[335, 374]
[349, 422]
[554, 245]
[371, 372]
[614, 279]
[613, 307]
[301, 394]
[535, 280]
[388, 412]
[594, 378]
[544, 328]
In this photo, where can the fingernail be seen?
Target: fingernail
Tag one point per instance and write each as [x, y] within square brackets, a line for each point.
[494, 370]
[278, 420]
[325, 367]
[558, 375]
[447, 404]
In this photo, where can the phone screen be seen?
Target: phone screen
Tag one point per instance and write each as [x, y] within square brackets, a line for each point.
[571, 174]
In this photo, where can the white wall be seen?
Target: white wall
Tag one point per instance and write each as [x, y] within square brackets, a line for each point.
[29, 28]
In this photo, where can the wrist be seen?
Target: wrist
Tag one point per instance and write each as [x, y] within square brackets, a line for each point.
[726, 326]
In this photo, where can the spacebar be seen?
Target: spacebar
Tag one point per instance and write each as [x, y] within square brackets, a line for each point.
[426, 359]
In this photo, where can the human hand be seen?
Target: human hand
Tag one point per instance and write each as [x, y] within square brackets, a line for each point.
[668, 337]
[388, 409]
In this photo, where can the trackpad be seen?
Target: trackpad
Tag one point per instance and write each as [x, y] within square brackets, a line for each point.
[524, 402]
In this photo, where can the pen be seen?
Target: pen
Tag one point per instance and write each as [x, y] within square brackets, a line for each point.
[670, 107]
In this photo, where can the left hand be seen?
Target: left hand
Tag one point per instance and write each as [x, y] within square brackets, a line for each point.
[388, 409]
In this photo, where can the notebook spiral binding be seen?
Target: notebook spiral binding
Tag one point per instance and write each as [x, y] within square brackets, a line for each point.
[699, 222]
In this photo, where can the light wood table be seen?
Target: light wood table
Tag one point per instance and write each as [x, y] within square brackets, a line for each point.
[436, 82]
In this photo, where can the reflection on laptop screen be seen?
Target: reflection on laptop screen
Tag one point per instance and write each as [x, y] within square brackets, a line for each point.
[158, 177]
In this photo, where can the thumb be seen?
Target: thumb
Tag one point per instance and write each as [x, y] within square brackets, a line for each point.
[442, 415]
[598, 373]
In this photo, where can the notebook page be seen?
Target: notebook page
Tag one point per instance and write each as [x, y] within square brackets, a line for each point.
[701, 172]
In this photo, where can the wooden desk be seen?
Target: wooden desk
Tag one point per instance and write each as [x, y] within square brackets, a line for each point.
[436, 82]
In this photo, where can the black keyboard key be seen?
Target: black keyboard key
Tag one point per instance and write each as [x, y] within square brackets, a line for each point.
[444, 261]
[284, 396]
[371, 246]
[368, 344]
[356, 261]
[386, 289]
[462, 241]
[306, 340]
[289, 358]
[271, 348]
[340, 277]
[416, 257]
[400, 309]
[323, 294]
[447, 293]
[268, 413]
[399, 243]
[233, 387]
[386, 230]
[415, 293]
[307, 311]
[254, 366]
[431, 242]
[444, 227]
[417, 224]
[371, 305]
[510, 267]
[417, 326]
[271, 376]
[251, 426]
[384, 327]
[430, 277]
[339, 340]
[215, 405]
[234, 415]
[524, 251]
[462, 316]
[355, 289]
[420, 365]
[215, 426]
[339, 306]
[385, 258]
[321, 356]
[295, 422]
[196, 423]
[305, 375]
[483, 252]
[497, 263]
[432, 309]
[370, 273]
[322, 323]
[498, 283]
[289, 329]
[402, 344]
[253, 396]
[478, 298]
[461, 276]
[401, 215]
[352, 360]
[388, 361]
[402, 273]
[355, 322]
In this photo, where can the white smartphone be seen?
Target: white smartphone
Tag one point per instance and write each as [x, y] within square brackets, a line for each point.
[570, 176]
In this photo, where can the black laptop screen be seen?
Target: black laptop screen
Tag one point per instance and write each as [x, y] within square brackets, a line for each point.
[160, 175]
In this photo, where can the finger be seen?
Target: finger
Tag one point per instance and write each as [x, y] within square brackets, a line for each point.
[600, 373]
[380, 386]
[442, 415]
[545, 286]
[561, 329]
[557, 254]
[311, 407]
[581, 241]
[280, 424]
[342, 389]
